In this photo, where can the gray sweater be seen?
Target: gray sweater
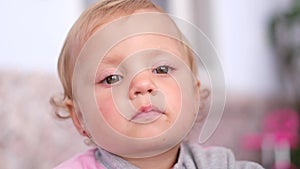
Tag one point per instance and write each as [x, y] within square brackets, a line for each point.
[191, 156]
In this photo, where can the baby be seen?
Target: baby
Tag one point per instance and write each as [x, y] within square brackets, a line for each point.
[131, 87]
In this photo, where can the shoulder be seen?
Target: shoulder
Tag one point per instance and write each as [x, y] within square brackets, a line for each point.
[247, 165]
[85, 160]
[218, 157]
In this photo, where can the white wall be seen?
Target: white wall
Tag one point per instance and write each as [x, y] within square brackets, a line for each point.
[240, 34]
[239, 30]
[32, 32]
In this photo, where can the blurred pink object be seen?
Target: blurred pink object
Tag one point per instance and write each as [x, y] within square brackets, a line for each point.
[279, 135]
[281, 125]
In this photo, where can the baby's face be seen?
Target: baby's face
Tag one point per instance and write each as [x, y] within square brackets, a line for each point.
[134, 87]
[137, 88]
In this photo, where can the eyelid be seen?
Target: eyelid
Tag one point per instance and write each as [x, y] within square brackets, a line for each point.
[165, 64]
[104, 74]
[172, 68]
[103, 81]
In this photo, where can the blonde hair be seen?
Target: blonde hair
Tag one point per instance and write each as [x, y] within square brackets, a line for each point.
[89, 21]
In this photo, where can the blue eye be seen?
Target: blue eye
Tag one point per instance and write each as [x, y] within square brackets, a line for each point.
[162, 69]
[111, 79]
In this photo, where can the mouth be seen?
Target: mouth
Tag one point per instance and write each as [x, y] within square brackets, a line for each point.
[147, 114]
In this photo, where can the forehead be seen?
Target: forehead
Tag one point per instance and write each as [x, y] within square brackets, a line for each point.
[158, 43]
[129, 34]
[158, 31]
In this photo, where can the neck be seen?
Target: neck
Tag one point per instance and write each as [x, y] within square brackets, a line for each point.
[161, 161]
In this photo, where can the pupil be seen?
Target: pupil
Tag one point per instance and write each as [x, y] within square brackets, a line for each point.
[112, 79]
[162, 69]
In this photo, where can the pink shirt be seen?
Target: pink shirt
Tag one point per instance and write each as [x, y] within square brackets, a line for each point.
[191, 156]
[86, 160]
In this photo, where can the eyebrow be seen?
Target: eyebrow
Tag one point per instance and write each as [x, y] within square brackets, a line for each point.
[110, 60]
[114, 59]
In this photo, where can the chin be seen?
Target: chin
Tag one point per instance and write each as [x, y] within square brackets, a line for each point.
[148, 130]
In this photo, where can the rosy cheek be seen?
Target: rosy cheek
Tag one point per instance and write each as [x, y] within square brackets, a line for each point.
[172, 92]
[105, 104]
[175, 100]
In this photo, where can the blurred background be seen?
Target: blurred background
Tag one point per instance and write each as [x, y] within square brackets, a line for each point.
[258, 43]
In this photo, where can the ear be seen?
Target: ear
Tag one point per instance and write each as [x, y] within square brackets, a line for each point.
[70, 106]
[197, 86]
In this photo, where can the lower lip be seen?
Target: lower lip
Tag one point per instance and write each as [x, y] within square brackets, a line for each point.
[146, 117]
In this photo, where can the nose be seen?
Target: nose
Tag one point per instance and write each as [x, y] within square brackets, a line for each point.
[141, 84]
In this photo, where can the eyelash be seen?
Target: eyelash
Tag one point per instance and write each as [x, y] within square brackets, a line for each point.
[169, 69]
[107, 78]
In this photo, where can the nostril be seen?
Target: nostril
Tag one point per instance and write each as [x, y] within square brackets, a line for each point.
[140, 93]
[137, 93]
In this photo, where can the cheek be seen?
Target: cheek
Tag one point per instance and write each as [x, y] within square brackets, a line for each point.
[106, 104]
[172, 92]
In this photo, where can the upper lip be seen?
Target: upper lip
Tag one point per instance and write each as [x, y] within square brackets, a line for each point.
[146, 109]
